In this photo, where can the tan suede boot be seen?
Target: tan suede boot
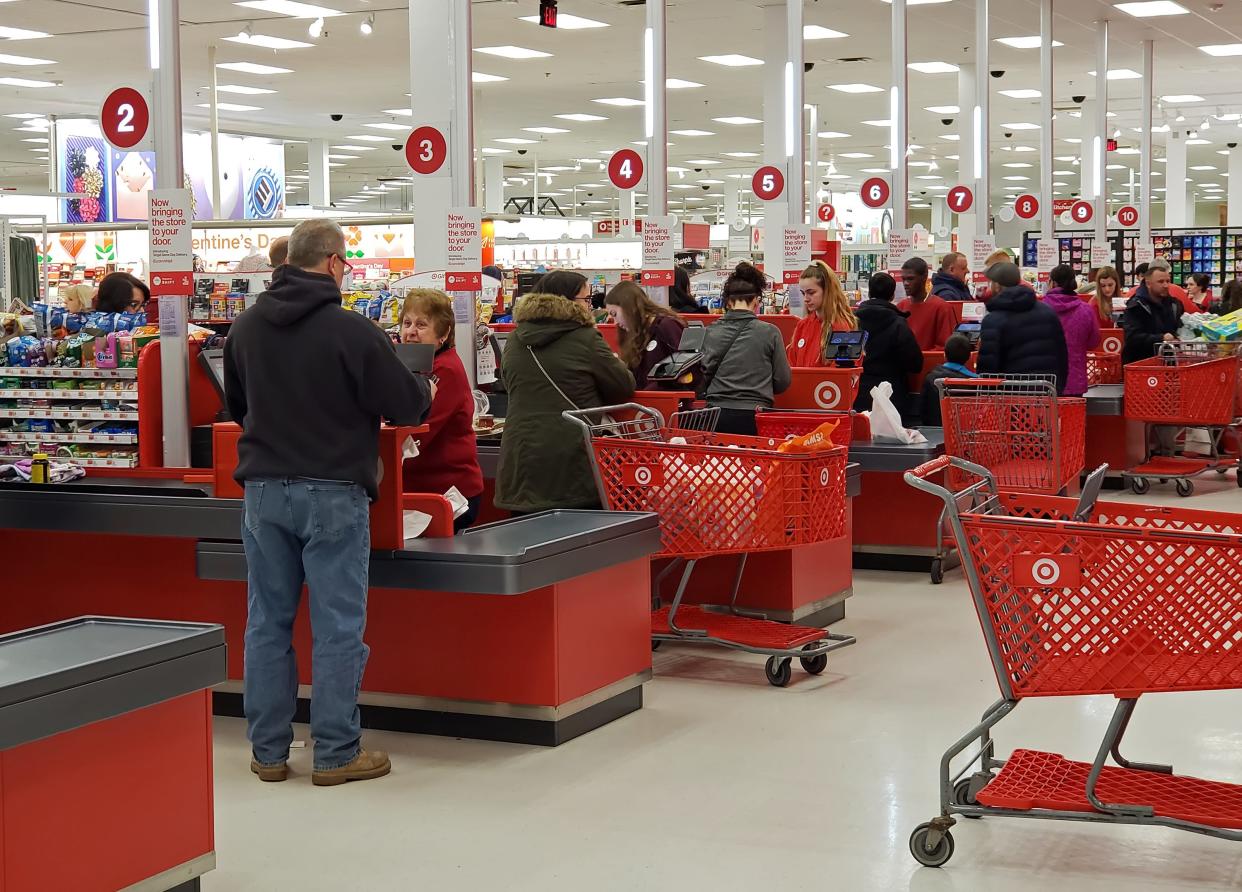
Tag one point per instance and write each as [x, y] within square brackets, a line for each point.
[366, 765]
[270, 773]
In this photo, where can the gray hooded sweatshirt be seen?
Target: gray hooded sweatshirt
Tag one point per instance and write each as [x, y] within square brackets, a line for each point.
[747, 359]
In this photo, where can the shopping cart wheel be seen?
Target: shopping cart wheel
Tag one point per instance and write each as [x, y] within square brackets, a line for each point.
[1185, 487]
[937, 571]
[961, 795]
[937, 857]
[778, 671]
[816, 664]
[1139, 485]
[655, 644]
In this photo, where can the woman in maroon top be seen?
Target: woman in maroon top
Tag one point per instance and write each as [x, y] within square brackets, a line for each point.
[649, 332]
[448, 454]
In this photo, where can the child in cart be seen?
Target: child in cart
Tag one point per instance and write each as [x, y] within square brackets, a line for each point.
[956, 357]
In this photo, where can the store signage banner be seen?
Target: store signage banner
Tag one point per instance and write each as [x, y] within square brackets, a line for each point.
[172, 246]
[739, 239]
[1101, 255]
[615, 227]
[658, 251]
[795, 251]
[900, 247]
[1048, 255]
[981, 247]
[464, 267]
[1144, 253]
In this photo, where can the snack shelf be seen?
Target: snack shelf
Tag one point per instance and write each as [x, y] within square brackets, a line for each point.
[35, 438]
[60, 372]
[45, 393]
[70, 414]
[88, 462]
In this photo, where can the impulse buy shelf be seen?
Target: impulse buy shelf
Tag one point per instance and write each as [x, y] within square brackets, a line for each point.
[116, 385]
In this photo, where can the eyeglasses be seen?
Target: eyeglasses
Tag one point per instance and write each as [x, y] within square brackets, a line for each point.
[349, 267]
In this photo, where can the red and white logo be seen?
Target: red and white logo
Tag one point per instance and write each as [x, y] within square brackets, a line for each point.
[959, 199]
[768, 183]
[426, 150]
[1026, 207]
[124, 118]
[875, 192]
[825, 213]
[1082, 211]
[1112, 344]
[1047, 570]
[1128, 216]
[625, 169]
[642, 475]
[828, 395]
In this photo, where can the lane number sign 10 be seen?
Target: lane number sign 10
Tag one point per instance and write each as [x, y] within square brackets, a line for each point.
[1128, 216]
[124, 118]
[625, 169]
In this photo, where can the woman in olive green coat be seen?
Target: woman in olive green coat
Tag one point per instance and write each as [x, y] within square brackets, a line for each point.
[543, 459]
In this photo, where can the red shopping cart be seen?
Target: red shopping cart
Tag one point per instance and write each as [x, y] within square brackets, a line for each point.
[779, 424]
[1076, 599]
[1185, 385]
[1017, 427]
[720, 495]
[1103, 368]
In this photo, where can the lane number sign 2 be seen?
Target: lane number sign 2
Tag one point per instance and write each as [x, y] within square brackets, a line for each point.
[1082, 212]
[124, 118]
[960, 199]
[1026, 207]
[426, 150]
[1128, 216]
[625, 169]
[768, 183]
[875, 192]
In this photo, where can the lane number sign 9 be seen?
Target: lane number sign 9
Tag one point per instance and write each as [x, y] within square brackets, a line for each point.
[1082, 212]
[768, 183]
[875, 192]
[625, 169]
[426, 150]
[124, 118]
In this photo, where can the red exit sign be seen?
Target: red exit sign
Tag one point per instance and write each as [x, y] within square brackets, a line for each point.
[547, 13]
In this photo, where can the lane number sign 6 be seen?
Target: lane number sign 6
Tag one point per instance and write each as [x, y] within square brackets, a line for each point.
[875, 192]
[124, 118]
[426, 150]
[768, 183]
[625, 169]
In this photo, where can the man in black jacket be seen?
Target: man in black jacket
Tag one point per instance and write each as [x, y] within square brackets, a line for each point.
[892, 354]
[309, 383]
[950, 282]
[1020, 335]
[1151, 316]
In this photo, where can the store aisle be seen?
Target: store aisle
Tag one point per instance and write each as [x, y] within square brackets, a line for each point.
[723, 782]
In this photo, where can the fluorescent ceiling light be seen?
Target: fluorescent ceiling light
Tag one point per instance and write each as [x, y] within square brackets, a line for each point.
[933, 67]
[732, 60]
[335, 157]
[692, 132]
[387, 125]
[1025, 149]
[6, 59]
[1120, 74]
[819, 32]
[367, 137]
[1020, 94]
[1017, 179]
[929, 176]
[512, 52]
[579, 116]
[268, 42]
[489, 150]
[1189, 142]
[1017, 164]
[23, 82]
[1032, 42]
[567, 22]
[1181, 98]
[742, 154]
[738, 119]
[833, 134]
[241, 90]
[919, 2]
[43, 140]
[855, 155]
[875, 170]
[1151, 8]
[1127, 151]
[943, 109]
[478, 77]
[702, 162]
[1193, 167]
[1021, 125]
[223, 106]
[855, 88]
[404, 112]
[355, 148]
[884, 123]
[24, 116]
[676, 83]
[545, 129]
[253, 68]
[1223, 49]
[951, 137]
[622, 101]
[290, 8]
[517, 141]
[7, 33]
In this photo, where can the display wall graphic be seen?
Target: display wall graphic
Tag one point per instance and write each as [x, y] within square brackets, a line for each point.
[84, 162]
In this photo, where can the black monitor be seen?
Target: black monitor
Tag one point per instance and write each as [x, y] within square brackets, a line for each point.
[212, 361]
[845, 347]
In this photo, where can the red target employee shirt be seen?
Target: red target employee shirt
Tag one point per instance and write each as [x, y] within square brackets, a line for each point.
[931, 320]
[448, 454]
[806, 349]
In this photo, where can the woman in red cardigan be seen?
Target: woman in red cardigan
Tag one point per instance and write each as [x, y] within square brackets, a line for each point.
[448, 454]
[827, 310]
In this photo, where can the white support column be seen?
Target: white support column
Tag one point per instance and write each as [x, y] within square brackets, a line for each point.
[320, 173]
[494, 185]
[625, 211]
[1099, 153]
[1175, 180]
[440, 91]
[1046, 221]
[655, 74]
[1234, 210]
[794, 119]
[810, 139]
[776, 54]
[214, 135]
[899, 123]
[982, 117]
[1145, 122]
[966, 92]
[733, 200]
[53, 169]
[941, 220]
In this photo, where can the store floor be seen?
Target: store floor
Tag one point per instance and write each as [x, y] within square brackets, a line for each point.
[722, 782]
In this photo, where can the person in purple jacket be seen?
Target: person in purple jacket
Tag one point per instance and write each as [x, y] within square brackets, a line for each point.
[1080, 321]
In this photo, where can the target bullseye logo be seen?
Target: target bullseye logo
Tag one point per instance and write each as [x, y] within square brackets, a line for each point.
[823, 477]
[1046, 571]
[827, 395]
[1112, 344]
[642, 475]
[1153, 381]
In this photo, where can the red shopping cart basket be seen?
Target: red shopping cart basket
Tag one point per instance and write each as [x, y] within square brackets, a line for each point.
[1182, 387]
[1103, 368]
[776, 425]
[1079, 598]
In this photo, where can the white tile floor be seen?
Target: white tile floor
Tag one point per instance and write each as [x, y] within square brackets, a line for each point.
[722, 782]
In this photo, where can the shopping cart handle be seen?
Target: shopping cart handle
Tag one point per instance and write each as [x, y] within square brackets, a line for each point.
[935, 466]
[974, 382]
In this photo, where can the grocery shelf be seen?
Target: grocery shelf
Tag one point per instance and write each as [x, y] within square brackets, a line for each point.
[71, 414]
[59, 372]
[34, 437]
[46, 393]
[86, 462]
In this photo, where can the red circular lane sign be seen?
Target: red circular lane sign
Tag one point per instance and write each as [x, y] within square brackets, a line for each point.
[960, 199]
[1128, 216]
[826, 213]
[426, 150]
[1026, 207]
[124, 118]
[1082, 212]
[875, 192]
[768, 183]
[625, 169]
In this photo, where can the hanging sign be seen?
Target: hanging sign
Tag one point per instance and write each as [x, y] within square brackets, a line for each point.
[960, 199]
[124, 118]
[625, 169]
[875, 192]
[1101, 255]
[1048, 254]
[1026, 207]
[796, 251]
[768, 183]
[1082, 211]
[981, 247]
[463, 269]
[171, 242]
[900, 247]
[1144, 253]
[426, 151]
[658, 263]
[826, 213]
[1128, 217]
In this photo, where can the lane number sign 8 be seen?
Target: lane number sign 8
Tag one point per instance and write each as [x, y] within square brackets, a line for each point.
[1026, 207]
[625, 169]
[124, 118]
[768, 183]
[875, 192]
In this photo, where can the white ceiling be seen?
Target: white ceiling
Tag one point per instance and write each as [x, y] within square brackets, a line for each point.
[97, 45]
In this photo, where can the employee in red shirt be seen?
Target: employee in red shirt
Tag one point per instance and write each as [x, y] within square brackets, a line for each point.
[448, 454]
[931, 318]
[827, 311]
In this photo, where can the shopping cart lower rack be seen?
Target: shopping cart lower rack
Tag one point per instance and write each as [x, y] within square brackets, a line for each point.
[1077, 598]
[719, 495]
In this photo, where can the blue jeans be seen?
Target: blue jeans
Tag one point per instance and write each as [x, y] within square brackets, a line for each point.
[317, 532]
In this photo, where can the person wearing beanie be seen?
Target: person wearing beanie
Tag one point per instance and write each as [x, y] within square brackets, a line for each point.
[1020, 335]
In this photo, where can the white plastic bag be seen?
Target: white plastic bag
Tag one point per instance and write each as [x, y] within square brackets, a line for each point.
[886, 426]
